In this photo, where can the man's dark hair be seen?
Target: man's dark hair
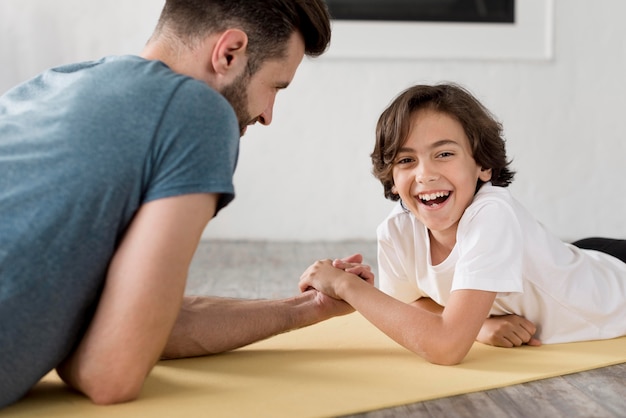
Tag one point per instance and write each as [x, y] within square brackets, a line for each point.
[269, 24]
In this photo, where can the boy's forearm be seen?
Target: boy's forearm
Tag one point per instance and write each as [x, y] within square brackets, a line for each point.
[429, 305]
[209, 325]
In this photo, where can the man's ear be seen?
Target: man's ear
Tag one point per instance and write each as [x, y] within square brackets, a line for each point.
[229, 53]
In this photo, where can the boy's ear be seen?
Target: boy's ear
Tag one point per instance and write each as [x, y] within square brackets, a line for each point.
[485, 174]
[229, 53]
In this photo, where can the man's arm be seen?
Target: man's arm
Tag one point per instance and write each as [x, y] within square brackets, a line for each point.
[140, 301]
[209, 325]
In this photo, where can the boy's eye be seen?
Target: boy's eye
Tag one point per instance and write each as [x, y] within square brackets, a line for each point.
[445, 154]
[404, 160]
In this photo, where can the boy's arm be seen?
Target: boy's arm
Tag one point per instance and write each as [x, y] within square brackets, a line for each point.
[140, 301]
[441, 338]
[429, 305]
[500, 331]
[508, 331]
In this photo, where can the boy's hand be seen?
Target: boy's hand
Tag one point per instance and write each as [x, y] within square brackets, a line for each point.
[323, 277]
[508, 331]
[326, 276]
[353, 264]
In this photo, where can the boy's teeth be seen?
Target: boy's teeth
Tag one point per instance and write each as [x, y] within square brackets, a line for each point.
[433, 196]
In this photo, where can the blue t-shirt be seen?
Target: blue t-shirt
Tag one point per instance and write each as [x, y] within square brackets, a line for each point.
[82, 147]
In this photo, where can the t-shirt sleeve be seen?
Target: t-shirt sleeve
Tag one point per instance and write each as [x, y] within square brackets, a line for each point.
[490, 244]
[196, 146]
[392, 269]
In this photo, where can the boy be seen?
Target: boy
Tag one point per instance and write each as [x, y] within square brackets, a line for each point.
[459, 248]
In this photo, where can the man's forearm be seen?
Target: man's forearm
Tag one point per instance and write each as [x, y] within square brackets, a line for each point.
[209, 325]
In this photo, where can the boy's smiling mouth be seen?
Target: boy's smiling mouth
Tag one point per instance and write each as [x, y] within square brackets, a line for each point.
[433, 199]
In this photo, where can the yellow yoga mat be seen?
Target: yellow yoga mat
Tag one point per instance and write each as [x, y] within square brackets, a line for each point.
[341, 366]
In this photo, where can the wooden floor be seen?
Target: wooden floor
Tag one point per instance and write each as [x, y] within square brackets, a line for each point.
[271, 270]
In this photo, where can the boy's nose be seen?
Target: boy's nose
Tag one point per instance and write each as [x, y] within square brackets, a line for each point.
[425, 174]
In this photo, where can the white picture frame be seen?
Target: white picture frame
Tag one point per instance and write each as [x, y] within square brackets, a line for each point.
[529, 38]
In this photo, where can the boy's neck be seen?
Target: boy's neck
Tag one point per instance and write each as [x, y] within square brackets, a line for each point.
[441, 246]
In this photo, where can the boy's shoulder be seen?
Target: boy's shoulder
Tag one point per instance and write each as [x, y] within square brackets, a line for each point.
[491, 203]
[398, 220]
[397, 214]
[490, 193]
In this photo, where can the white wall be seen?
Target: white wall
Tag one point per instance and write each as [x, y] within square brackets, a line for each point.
[307, 177]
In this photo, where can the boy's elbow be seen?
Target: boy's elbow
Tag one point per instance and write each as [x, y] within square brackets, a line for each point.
[442, 354]
[445, 360]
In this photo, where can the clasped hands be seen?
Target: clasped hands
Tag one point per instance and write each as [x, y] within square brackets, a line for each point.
[328, 276]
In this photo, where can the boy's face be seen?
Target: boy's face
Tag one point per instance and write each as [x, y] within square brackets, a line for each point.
[435, 173]
[253, 97]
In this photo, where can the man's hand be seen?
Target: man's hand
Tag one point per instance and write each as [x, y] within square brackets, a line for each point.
[330, 307]
[327, 276]
[508, 331]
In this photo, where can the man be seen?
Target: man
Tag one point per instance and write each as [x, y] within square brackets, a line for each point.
[111, 169]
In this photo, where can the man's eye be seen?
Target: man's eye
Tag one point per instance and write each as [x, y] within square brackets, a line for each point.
[445, 154]
[405, 160]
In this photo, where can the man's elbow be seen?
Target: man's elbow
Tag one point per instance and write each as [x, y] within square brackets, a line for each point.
[113, 392]
[104, 381]
[103, 387]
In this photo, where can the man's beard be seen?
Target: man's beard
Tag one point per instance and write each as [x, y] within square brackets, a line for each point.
[237, 95]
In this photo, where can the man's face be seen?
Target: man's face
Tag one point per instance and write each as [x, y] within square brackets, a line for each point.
[252, 96]
[237, 95]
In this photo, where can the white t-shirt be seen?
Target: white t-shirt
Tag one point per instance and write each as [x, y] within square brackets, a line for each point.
[570, 294]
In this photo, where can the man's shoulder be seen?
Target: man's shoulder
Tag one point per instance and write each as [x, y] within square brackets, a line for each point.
[153, 81]
[135, 77]
[129, 76]
[131, 86]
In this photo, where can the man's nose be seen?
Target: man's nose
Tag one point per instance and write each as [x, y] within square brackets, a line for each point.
[265, 118]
